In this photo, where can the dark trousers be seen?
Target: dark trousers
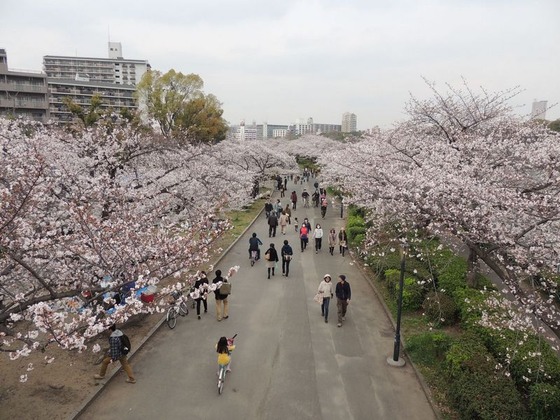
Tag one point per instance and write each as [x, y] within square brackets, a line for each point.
[285, 267]
[318, 242]
[204, 302]
[303, 242]
[271, 231]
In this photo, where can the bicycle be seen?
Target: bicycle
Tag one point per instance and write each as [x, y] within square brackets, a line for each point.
[223, 369]
[253, 257]
[179, 306]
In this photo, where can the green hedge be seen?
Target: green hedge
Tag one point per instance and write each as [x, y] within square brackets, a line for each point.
[428, 348]
[545, 401]
[476, 390]
[531, 359]
[354, 231]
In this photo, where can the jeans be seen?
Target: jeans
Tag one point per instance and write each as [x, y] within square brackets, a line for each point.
[325, 307]
[285, 266]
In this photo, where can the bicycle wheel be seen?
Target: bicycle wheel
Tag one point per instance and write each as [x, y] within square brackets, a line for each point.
[183, 309]
[171, 318]
[221, 379]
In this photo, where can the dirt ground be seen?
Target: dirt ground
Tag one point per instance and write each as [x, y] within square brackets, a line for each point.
[56, 390]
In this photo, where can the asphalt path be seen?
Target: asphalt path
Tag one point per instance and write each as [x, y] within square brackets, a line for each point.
[288, 363]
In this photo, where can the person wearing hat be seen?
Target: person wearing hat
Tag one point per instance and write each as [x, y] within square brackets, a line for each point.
[343, 295]
[325, 289]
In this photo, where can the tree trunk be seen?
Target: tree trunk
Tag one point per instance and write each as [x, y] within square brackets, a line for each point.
[473, 268]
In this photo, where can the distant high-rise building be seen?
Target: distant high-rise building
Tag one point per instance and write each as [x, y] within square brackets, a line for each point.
[311, 127]
[22, 93]
[539, 110]
[349, 122]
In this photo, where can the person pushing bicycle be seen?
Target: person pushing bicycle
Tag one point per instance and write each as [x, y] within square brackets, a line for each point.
[254, 243]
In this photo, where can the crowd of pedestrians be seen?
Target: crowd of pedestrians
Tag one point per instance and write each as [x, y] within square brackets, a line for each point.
[279, 213]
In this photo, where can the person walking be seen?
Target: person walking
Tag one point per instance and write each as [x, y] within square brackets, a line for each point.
[332, 240]
[318, 235]
[303, 236]
[272, 225]
[283, 221]
[201, 285]
[268, 207]
[342, 240]
[222, 304]
[287, 254]
[116, 353]
[293, 197]
[324, 204]
[278, 208]
[326, 290]
[343, 295]
[288, 213]
[271, 257]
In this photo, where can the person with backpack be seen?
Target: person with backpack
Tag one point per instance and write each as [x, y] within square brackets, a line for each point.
[119, 347]
[222, 304]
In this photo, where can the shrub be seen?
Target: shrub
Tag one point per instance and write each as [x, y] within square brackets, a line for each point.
[413, 293]
[359, 239]
[531, 359]
[353, 231]
[354, 221]
[470, 303]
[451, 271]
[545, 401]
[428, 348]
[440, 308]
[475, 389]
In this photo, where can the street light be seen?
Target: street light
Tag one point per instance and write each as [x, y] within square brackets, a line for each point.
[395, 360]
[341, 207]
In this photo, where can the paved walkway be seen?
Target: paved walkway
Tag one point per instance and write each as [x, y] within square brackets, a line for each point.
[288, 364]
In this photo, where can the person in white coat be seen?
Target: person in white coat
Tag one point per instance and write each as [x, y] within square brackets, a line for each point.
[326, 290]
[318, 235]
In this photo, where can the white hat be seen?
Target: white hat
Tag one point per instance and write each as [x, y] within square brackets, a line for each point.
[327, 275]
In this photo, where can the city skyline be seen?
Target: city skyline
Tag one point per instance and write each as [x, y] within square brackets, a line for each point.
[276, 62]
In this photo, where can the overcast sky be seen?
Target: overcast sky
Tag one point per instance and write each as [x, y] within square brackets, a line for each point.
[280, 60]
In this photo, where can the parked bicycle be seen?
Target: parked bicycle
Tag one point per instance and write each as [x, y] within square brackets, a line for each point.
[179, 306]
[224, 348]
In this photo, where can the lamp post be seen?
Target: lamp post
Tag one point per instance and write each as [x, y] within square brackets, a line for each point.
[341, 207]
[395, 360]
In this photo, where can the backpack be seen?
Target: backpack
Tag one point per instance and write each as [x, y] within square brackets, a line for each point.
[125, 344]
[225, 288]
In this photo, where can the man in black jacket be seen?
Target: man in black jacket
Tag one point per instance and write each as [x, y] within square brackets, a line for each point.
[272, 225]
[343, 295]
[222, 303]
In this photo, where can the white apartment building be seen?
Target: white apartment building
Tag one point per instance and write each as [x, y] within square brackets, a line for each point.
[349, 122]
[114, 69]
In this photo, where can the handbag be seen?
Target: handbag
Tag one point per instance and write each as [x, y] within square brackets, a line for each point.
[287, 257]
[318, 298]
[267, 256]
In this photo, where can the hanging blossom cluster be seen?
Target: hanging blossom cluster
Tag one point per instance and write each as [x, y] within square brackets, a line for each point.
[86, 217]
[463, 165]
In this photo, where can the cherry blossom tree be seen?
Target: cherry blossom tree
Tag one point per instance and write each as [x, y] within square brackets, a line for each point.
[93, 213]
[464, 165]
